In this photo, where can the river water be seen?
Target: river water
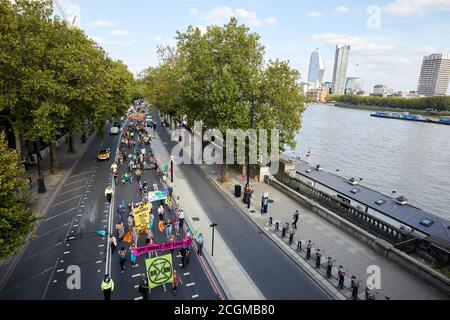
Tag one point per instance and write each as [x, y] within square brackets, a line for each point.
[408, 157]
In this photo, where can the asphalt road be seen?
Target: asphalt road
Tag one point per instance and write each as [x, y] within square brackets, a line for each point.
[79, 210]
[273, 272]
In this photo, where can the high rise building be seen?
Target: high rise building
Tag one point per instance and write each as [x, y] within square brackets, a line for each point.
[340, 69]
[434, 75]
[353, 85]
[316, 69]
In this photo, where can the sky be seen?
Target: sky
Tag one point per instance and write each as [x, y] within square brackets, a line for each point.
[388, 38]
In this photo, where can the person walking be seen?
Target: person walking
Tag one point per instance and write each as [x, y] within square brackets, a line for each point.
[108, 193]
[168, 228]
[318, 258]
[114, 168]
[135, 236]
[116, 178]
[181, 217]
[176, 225]
[183, 253]
[330, 262]
[138, 174]
[144, 288]
[123, 257]
[200, 241]
[30, 183]
[161, 213]
[132, 256]
[113, 243]
[341, 275]
[176, 282]
[308, 250]
[107, 287]
[120, 213]
[355, 287]
[130, 221]
[121, 231]
[295, 217]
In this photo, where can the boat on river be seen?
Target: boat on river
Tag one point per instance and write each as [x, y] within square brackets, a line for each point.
[409, 117]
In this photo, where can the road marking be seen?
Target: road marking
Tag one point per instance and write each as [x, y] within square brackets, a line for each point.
[60, 214]
[62, 261]
[180, 265]
[101, 245]
[67, 245]
[190, 284]
[67, 252]
[75, 182]
[71, 238]
[195, 296]
[138, 298]
[80, 174]
[136, 286]
[100, 261]
[99, 270]
[104, 220]
[58, 204]
[75, 225]
[61, 194]
[186, 274]
[136, 275]
[55, 281]
[58, 244]
[60, 270]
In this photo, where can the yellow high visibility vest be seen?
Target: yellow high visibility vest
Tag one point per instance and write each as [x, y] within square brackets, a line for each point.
[107, 285]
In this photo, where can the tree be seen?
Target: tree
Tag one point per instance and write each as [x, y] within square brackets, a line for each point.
[16, 216]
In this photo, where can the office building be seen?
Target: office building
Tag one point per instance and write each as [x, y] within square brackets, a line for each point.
[434, 75]
[353, 85]
[340, 69]
[316, 69]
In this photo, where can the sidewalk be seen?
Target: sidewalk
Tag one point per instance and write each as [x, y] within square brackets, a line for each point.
[354, 256]
[231, 275]
[53, 183]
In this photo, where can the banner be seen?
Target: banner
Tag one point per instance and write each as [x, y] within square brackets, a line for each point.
[162, 247]
[142, 217]
[157, 196]
[161, 226]
[159, 270]
[127, 237]
[137, 117]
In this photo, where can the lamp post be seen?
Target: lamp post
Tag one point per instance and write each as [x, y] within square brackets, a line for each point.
[171, 168]
[252, 111]
[40, 179]
[213, 226]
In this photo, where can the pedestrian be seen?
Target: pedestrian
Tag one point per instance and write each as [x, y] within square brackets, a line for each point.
[121, 231]
[161, 213]
[113, 243]
[176, 282]
[132, 256]
[200, 241]
[29, 182]
[178, 203]
[329, 267]
[168, 229]
[120, 213]
[123, 257]
[116, 178]
[341, 275]
[114, 168]
[183, 253]
[171, 241]
[318, 258]
[151, 222]
[138, 175]
[108, 193]
[176, 225]
[130, 222]
[135, 236]
[181, 217]
[294, 224]
[148, 238]
[355, 287]
[143, 286]
[107, 287]
[131, 178]
[308, 250]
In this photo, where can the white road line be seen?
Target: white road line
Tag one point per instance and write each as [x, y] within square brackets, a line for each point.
[186, 274]
[190, 284]
[138, 298]
[75, 225]
[180, 265]
[80, 174]
[60, 203]
[67, 252]
[60, 270]
[99, 270]
[99, 262]
[55, 281]
[136, 275]
[104, 220]
[61, 194]
[75, 182]
[60, 214]
[136, 286]
[62, 261]
[58, 244]
[195, 296]
[101, 245]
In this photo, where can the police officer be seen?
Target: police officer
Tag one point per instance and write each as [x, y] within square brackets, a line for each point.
[108, 193]
[308, 250]
[318, 258]
[107, 287]
[341, 274]
[330, 262]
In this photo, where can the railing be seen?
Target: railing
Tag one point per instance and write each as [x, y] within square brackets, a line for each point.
[377, 227]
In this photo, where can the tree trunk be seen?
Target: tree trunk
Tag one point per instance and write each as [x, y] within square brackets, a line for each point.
[18, 141]
[71, 145]
[53, 158]
[225, 174]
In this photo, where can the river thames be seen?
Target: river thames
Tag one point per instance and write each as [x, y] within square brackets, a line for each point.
[408, 157]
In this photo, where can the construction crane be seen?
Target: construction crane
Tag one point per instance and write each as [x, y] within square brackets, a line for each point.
[63, 14]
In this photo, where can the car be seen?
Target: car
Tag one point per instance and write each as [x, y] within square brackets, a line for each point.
[104, 153]
[115, 130]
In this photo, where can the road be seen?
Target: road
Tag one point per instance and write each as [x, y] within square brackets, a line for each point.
[78, 211]
[273, 272]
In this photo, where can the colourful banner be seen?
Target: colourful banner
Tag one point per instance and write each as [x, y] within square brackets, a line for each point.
[162, 247]
[142, 217]
[157, 196]
[159, 270]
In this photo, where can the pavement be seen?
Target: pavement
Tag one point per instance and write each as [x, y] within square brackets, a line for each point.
[248, 262]
[353, 255]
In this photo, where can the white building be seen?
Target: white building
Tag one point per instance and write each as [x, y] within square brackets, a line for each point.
[340, 69]
[353, 85]
[316, 69]
[434, 75]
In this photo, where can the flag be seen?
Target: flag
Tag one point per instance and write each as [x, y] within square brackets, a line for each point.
[127, 237]
[101, 233]
[161, 226]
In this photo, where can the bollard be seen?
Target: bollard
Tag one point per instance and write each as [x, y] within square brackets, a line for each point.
[291, 237]
[299, 246]
[270, 221]
[283, 233]
[277, 226]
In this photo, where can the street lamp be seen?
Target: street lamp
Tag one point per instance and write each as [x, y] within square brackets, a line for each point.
[171, 168]
[213, 226]
[252, 111]
[40, 179]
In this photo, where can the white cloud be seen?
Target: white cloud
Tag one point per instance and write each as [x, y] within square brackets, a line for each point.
[98, 39]
[314, 14]
[357, 43]
[342, 9]
[120, 43]
[101, 24]
[119, 33]
[162, 41]
[194, 11]
[71, 11]
[419, 7]
[271, 20]
[221, 15]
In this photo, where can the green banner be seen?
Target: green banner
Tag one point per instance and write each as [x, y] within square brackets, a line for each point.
[159, 270]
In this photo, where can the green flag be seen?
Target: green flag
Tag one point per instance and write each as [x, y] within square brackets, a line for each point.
[159, 270]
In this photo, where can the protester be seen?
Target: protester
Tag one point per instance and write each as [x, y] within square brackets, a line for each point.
[176, 282]
[295, 217]
[161, 213]
[130, 221]
[176, 225]
[181, 217]
[183, 253]
[132, 256]
[144, 286]
[168, 228]
[113, 243]
[135, 236]
[123, 257]
[200, 241]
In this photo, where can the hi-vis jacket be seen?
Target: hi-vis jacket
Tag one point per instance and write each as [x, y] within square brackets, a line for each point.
[107, 285]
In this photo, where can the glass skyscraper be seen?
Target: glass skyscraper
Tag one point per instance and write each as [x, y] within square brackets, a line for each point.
[340, 69]
[316, 69]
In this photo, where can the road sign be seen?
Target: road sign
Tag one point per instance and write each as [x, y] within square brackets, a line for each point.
[159, 270]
